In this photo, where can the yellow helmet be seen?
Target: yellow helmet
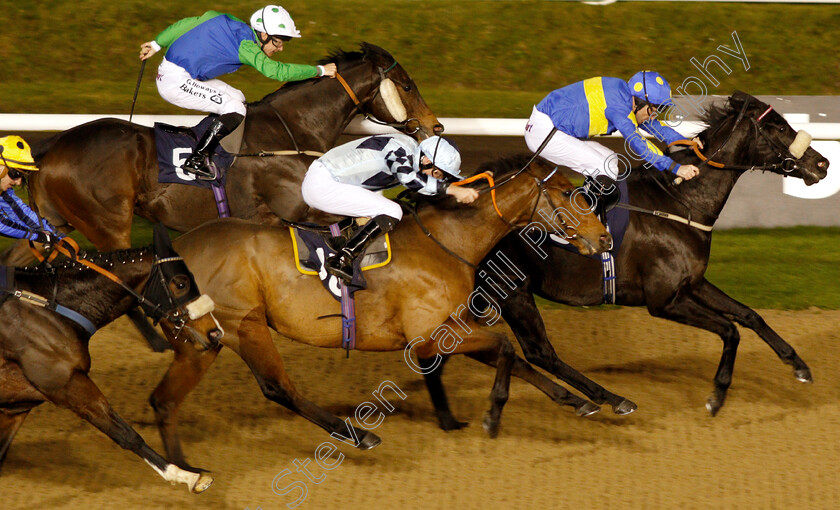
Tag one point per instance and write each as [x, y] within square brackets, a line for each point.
[15, 153]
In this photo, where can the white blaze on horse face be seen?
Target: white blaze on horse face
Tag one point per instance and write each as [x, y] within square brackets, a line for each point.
[392, 100]
[200, 307]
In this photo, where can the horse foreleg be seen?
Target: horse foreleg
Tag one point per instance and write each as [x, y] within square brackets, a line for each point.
[9, 425]
[257, 350]
[686, 310]
[523, 370]
[434, 383]
[720, 302]
[522, 315]
[185, 372]
[477, 341]
[84, 398]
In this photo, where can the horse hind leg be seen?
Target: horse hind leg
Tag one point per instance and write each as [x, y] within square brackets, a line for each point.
[257, 350]
[84, 398]
[9, 425]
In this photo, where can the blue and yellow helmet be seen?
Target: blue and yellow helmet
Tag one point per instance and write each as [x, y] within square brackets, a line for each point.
[651, 87]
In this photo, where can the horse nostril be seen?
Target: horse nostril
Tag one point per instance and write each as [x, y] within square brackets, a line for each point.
[215, 334]
[438, 128]
[606, 241]
[823, 163]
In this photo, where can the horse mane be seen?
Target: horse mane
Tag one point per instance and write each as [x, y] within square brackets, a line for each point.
[102, 259]
[342, 60]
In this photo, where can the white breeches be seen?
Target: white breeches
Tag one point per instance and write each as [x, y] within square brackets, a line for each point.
[214, 96]
[322, 192]
[583, 156]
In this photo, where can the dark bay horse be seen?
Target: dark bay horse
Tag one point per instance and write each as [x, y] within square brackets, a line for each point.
[661, 263]
[96, 176]
[44, 356]
[422, 294]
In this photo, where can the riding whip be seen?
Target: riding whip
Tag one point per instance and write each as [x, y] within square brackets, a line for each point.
[137, 89]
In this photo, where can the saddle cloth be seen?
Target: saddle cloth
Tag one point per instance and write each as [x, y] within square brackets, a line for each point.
[312, 249]
[175, 144]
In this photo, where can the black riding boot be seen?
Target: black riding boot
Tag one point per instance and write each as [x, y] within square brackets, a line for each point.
[197, 161]
[341, 264]
[605, 191]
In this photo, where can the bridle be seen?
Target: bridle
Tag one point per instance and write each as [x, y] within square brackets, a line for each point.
[788, 162]
[177, 312]
[401, 126]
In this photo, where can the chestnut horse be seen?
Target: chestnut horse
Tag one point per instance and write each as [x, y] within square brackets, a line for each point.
[661, 263]
[44, 355]
[250, 270]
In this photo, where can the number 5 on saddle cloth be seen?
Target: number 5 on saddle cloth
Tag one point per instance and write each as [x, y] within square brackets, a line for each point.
[175, 144]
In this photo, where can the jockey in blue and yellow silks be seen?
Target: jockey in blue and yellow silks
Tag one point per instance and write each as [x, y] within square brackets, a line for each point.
[17, 220]
[600, 106]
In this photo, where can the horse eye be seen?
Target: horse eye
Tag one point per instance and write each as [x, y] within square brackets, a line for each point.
[406, 87]
[782, 129]
[567, 193]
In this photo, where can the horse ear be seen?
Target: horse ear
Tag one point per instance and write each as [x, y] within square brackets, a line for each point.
[162, 242]
[738, 98]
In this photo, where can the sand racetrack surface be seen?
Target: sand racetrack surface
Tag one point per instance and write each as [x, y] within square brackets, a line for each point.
[772, 446]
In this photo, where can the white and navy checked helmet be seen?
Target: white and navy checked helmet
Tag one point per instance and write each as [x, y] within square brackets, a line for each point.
[443, 154]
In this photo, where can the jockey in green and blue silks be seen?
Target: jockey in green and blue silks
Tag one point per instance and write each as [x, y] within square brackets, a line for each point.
[202, 48]
[600, 106]
[17, 220]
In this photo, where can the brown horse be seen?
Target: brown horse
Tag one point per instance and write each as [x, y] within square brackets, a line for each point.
[249, 269]
[44, 355]
[96, 176]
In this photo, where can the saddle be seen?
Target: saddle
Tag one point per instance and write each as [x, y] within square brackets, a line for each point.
[175, 143]
[314, 244]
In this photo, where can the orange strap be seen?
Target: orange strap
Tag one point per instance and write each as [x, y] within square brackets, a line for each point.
[347, 88]
[483, 175]
[700, 155]
[71, 254]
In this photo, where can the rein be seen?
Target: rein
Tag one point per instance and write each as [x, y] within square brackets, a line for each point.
[540, 183]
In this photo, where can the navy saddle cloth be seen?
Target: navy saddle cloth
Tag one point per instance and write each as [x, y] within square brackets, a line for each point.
[319, 251]
[175, 144]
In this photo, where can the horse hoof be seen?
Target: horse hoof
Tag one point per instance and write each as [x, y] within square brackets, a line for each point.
[490, 425]
[369, 441]
[624, 407]
[713, 406]
[587, 409]
[205, 480]
[803, 375]
[452, 424]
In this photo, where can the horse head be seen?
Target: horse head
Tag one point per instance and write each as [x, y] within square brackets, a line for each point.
[385, 91]
[172, 296]
[549, 204]
[748, 134]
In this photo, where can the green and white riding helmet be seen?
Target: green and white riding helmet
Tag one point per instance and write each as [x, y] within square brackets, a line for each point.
[274, 21]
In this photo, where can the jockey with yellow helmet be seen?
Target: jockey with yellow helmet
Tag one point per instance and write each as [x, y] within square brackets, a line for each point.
[17, 220]
[204, 47]
[600, 106]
